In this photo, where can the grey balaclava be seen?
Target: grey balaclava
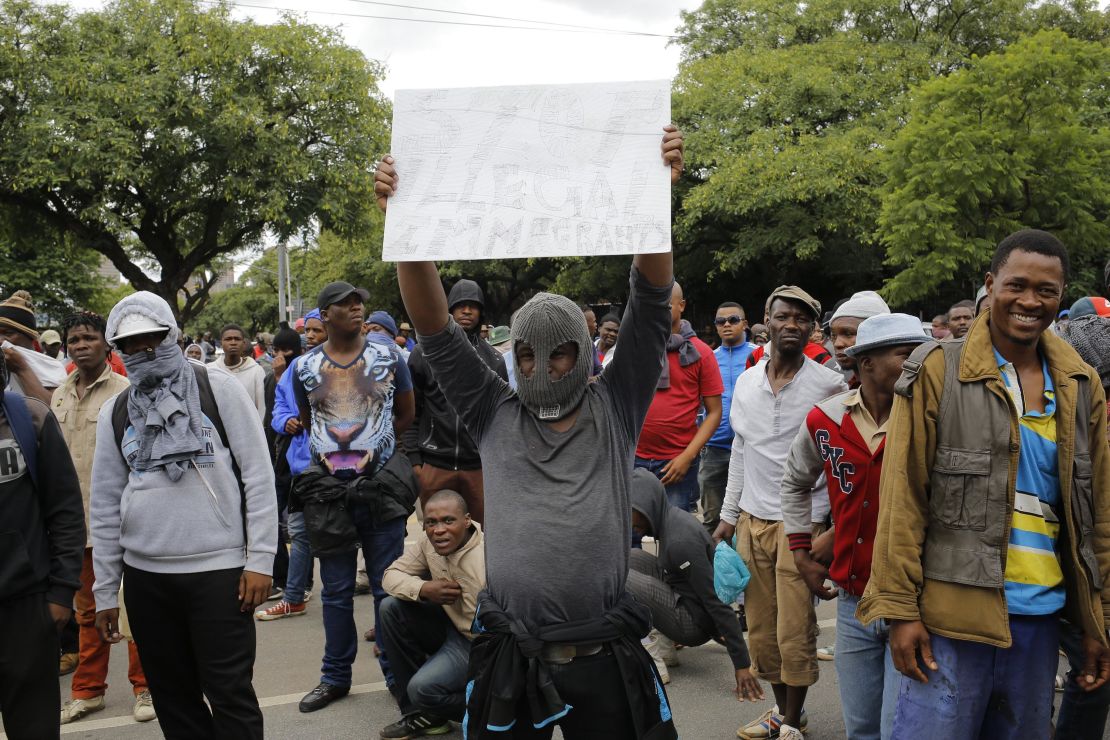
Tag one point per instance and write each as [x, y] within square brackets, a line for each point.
[543, 323]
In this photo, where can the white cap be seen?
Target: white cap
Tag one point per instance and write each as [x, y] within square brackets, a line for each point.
[862, 305]
[886, 330]
[134, 324]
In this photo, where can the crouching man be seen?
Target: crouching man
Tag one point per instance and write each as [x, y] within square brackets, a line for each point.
[677, 586]
[426, 619]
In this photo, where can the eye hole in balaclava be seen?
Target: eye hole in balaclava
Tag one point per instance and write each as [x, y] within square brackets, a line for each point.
[544, 325]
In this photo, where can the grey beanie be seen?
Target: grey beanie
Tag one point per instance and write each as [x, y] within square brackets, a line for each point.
[1090, 336]
[545, 322]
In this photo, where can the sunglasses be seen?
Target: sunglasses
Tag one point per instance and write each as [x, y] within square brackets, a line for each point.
[722, 320]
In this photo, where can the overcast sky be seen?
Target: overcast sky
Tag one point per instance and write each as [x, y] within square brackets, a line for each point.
[419, 55]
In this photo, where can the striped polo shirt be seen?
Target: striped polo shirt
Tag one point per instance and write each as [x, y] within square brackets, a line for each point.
[1034, 579]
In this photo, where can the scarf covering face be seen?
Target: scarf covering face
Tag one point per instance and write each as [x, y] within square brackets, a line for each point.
[164, 408]
[687, 353]
[163, 404]
[545, 322]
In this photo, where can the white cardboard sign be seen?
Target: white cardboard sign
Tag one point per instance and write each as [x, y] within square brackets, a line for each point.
[530, 171]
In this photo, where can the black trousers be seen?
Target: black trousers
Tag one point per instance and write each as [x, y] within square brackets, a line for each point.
[593, 686]
[29, 693]
[194, 643]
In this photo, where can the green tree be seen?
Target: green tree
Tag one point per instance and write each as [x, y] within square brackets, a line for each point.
[1020, 138]
[48, 265]
[169, 132]
[788, 108]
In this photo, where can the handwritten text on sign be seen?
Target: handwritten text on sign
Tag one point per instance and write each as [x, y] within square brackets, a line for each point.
[536, 171]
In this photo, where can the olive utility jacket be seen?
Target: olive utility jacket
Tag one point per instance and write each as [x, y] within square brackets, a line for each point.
[942, 561]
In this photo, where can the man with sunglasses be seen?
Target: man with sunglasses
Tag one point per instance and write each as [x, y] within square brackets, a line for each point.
[732, 326]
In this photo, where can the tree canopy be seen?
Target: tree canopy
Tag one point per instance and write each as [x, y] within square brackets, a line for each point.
[1017, 139]
[168, 132]
[796, 114]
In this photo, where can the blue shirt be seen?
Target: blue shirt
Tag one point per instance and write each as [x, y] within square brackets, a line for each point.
[731, 360]
[1034, 578]
[299, 456]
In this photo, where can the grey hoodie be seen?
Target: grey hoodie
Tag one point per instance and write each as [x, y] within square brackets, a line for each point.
[195, 524]
[686, 558]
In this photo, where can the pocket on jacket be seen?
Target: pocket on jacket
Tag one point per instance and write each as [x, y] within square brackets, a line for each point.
[175, 522]
[17, 575]
[959, 487]
[1083, 507]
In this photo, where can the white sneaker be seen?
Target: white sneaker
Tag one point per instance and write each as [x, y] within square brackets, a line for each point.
[651, 644]
[667, 650]
[75, 709]
[826, 653]
[786, 732]
[144, 707]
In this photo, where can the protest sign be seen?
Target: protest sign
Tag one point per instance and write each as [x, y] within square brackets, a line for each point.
[529, 171]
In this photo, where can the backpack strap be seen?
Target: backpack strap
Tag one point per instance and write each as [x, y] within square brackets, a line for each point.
[23, 429]
[208, 406]
[911, 368]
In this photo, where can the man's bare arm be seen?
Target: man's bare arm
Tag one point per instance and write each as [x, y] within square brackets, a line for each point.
[421, 289]
[658, 269]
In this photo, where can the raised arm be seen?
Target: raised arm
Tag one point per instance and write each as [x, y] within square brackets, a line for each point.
[658, 269]
[421, 289]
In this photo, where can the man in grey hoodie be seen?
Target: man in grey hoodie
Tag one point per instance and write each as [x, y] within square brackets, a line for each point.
[677, 584]
[183, 505]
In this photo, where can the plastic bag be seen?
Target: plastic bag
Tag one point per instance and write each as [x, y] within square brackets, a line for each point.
[730, 573]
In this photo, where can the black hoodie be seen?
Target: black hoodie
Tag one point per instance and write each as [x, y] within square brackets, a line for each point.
[686, 558]
[437, 436]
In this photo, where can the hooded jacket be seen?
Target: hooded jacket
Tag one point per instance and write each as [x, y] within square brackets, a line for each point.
[686, 558]
[197, 523]
[438, 436]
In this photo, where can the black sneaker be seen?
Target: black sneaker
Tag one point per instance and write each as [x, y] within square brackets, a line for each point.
[419, 724]
[322, 695]
[276, 592]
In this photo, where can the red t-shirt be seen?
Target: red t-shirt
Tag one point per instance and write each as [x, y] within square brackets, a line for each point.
[672, 420]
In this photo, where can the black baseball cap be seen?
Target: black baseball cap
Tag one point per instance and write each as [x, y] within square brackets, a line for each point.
[336, 292]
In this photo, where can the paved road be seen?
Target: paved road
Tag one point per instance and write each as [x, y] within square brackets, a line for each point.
[288, 666]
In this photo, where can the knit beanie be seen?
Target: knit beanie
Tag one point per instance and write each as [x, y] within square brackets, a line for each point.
[18, 313]
[862, 305]
[544, 323]
[1090, 336]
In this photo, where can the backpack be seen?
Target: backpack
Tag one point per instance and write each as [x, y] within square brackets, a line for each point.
[208, 406]
[23, 429]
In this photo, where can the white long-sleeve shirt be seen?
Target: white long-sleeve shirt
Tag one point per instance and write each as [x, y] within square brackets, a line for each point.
[765, 425]
[252, 377]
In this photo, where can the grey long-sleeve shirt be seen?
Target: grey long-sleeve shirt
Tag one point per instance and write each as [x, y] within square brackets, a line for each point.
[558, 517]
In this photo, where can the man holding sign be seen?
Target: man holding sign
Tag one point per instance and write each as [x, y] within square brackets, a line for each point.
[560, 638]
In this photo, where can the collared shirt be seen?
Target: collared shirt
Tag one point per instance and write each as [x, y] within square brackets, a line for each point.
[873, 434]
[77, 418]
[765, 424]
[1034, 578]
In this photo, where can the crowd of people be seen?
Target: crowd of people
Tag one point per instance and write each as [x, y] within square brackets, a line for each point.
[580, 485]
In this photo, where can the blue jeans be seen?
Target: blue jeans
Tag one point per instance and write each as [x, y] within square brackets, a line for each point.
[982, 691]
[868, 680]
[429, 657]
[381, 545]
[684, 494]
[300, 559]
[1082, 713]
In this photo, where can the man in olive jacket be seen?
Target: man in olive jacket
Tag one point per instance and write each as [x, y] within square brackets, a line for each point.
[995, 515]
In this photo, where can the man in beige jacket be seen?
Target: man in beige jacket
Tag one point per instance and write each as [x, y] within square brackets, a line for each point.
[76, 404]
[426, 619]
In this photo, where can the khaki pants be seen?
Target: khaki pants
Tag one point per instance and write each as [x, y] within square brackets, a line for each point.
[782, 624]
